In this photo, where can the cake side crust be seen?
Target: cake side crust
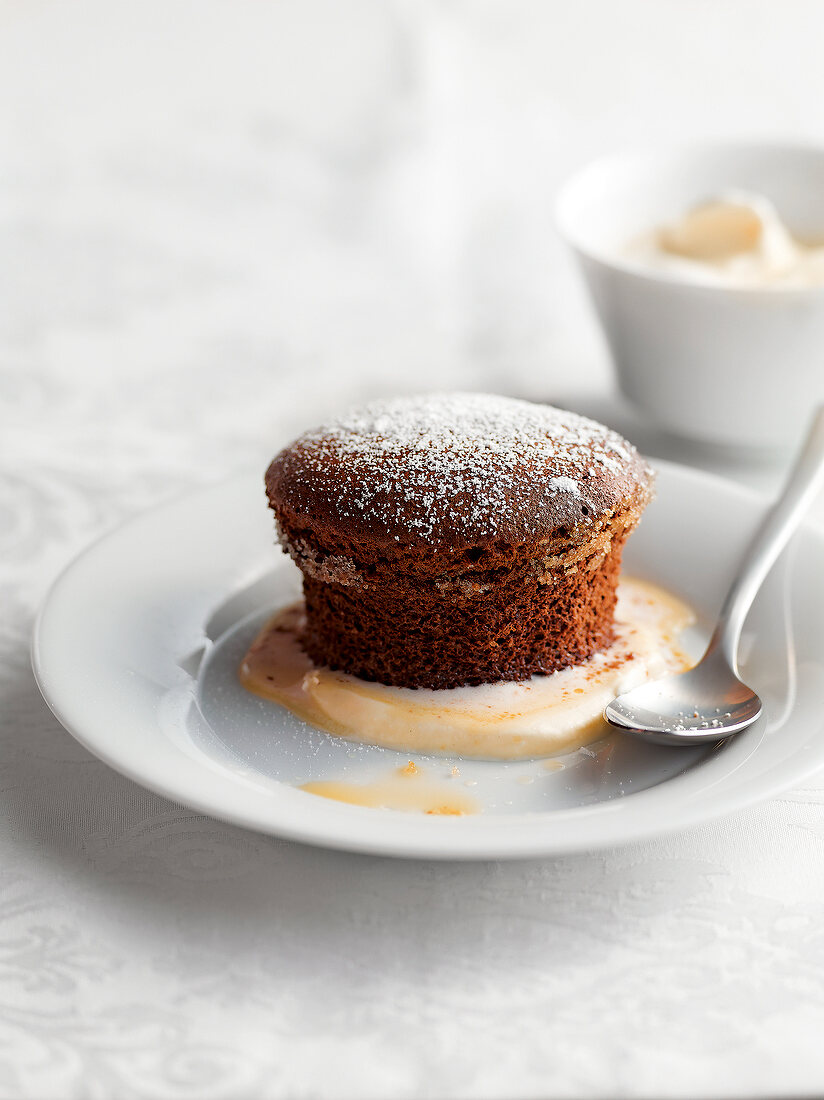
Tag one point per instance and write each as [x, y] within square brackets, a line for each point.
[535, 617]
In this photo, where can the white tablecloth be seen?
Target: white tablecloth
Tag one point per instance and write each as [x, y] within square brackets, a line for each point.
[219, 222]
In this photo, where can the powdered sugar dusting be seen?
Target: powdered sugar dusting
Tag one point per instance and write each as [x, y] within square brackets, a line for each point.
[565, 484]
[474, 464]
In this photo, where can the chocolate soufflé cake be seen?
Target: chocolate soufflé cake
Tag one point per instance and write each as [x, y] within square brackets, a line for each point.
[457, 538]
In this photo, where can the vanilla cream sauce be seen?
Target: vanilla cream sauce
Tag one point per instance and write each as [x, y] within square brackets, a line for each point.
[505, 721]
[407, 788]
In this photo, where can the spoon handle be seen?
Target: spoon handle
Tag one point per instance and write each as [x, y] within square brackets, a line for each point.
[802, 484]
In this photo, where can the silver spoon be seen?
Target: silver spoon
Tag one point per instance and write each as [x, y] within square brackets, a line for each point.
[710, 702]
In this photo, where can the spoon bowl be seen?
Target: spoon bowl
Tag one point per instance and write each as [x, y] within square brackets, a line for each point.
[707, 703]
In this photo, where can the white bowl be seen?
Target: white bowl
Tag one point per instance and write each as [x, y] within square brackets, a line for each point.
[740, 366]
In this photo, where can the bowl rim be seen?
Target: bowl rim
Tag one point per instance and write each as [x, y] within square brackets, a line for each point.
[635, 269]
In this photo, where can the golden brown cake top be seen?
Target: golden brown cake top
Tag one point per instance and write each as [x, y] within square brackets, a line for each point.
[455, 469]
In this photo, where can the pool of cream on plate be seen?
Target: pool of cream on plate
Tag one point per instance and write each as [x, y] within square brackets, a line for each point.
[504, 721]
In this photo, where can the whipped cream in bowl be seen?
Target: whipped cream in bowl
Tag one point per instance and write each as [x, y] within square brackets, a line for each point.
[706, 269]
[734, 239]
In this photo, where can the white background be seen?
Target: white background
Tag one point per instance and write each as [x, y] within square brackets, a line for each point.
[218, 223]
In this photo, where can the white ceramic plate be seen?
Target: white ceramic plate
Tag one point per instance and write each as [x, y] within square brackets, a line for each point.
[137, 646]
